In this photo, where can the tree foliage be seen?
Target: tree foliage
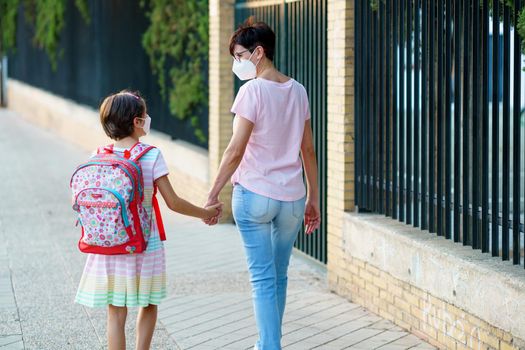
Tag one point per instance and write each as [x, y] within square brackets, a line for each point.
[47, 17]
[177, 45]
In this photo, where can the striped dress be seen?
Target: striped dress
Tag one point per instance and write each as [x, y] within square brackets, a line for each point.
[129, 279]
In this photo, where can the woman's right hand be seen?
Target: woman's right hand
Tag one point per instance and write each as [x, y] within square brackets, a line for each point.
[312, 215]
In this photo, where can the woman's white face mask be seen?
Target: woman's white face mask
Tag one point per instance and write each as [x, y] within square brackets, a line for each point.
[244, 69]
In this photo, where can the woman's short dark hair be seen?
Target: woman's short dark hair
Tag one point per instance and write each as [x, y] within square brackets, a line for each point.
[118, 111]
[251, 34]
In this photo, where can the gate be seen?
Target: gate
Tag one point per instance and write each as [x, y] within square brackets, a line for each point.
[300, 52]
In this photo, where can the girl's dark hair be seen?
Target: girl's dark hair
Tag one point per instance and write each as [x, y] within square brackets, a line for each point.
[251, 34]
[118, 111]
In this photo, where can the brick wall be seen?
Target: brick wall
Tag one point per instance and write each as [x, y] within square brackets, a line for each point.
[434, 320]
[340, 145]
[221, 88]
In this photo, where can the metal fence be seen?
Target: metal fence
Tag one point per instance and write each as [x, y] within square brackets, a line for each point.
[100, 58]
[300, 27]
[440, 119]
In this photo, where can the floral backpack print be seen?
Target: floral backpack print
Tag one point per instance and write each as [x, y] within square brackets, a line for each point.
[108, 191]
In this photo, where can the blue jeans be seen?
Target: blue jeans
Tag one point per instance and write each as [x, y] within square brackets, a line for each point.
[268, 229]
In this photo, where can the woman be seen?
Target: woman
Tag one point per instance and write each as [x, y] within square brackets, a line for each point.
[271, 131]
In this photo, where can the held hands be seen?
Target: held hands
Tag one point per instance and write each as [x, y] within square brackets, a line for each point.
[214, 207]
[312, 216]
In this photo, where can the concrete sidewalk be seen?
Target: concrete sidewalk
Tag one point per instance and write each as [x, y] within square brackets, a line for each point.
[208, 305]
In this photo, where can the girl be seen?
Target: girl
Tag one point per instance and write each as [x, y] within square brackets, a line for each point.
[120, 281]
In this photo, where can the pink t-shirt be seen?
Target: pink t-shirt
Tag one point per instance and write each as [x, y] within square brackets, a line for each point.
[271, 165]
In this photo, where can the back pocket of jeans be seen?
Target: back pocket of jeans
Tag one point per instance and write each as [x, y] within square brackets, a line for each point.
[255, 206]
[298, 208]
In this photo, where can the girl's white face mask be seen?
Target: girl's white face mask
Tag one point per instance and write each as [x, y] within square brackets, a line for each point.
[244, 69]
[147, 124]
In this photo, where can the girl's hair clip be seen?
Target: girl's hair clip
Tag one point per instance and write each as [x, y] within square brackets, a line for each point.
[129, 93]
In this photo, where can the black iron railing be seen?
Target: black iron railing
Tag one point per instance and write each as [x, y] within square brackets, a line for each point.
[439, 119]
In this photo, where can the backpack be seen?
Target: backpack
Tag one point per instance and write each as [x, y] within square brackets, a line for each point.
[108, 191]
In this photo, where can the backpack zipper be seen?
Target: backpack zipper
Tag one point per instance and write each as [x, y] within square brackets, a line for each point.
[123, 168]
[117, 195]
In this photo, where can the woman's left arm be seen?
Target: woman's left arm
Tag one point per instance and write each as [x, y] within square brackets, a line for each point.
[231, 158]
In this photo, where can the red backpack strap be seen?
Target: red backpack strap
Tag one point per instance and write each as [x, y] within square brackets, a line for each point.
[136, 152]
[158, 216]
